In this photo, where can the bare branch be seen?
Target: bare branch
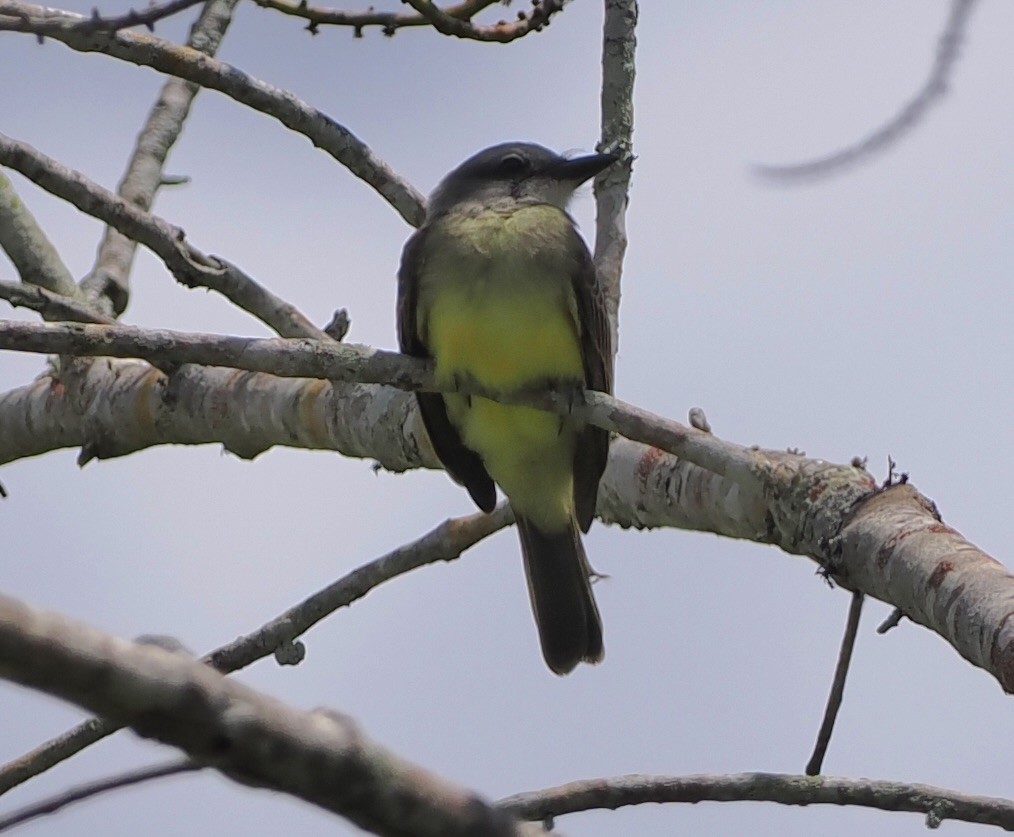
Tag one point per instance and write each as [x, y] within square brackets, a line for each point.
[53, 752]
[52, 306]
[109, 279]
[146, 18]
[501, 32]
[938, 804]
[389, 22]
[247, 293]
[87, 791]
[182, 62]
[302, 358]
[320, 757]
[816, 762]
[889, 544]
[932, 91]
[114, 408]
[188, 265]
[445, 542]
[892, 621]
[30, 251]
[612, 187]
[290, 358]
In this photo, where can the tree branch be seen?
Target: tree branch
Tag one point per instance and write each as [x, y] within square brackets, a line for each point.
[109, 279]
[902, 124]
[848, 641]
[320, 757]
[82, 792]
[501, 32]
[938, 804]
[51, 306]
[146, 18]
[189, 64]
[30, 251]
[188, 265]
[889, 544]
[351, 363]
[389, 22]
[54, 751]
[446, 542]
[612, 187]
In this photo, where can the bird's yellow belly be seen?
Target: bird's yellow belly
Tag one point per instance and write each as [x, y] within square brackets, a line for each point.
[509, 335]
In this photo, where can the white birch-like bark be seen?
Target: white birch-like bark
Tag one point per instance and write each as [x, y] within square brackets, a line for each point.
[834, 514]
[320, 757]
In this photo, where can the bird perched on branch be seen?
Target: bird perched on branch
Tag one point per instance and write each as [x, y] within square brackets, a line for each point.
[499, 289]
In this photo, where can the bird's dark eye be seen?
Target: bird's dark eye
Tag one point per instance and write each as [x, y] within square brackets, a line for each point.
[513, 164]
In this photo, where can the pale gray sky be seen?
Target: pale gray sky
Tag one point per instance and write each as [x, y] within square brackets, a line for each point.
[869, 314]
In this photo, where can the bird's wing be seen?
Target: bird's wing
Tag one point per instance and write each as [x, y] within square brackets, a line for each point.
[592, 449]
[464, 465]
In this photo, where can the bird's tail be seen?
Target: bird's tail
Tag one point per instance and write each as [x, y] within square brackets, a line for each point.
[559, 585]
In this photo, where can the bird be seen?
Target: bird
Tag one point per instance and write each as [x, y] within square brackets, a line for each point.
[499, 290]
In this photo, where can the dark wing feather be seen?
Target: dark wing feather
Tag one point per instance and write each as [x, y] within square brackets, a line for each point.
[464, 465]
[592, 448]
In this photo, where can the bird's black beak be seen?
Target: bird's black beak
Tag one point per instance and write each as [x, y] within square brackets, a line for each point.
[579, 169]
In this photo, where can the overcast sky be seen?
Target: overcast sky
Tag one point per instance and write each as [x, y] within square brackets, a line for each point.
[869, 314]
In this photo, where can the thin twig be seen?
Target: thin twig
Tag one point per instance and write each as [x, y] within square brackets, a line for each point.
[54, 751]
[108, 282]
[80, 793]
[612, 187]
[146, 18]
[445, 542]
[841, 671]
[247, 293]
[937, 804]
[389, 22]
[892, 621]
[932, 91]
[501, 32]
[188, 265]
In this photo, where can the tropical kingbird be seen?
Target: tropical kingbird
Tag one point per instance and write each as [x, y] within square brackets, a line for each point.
[499, 289]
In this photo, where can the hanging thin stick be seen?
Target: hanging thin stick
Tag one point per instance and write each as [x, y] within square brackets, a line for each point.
[813, 766]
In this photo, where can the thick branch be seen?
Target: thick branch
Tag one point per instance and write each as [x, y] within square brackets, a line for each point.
[279, 636]
[322, 758]
[886, 544]
[937, 804]
[189, 64]
[343, 362]
[30, 251]
[114, 408]
[896, 548]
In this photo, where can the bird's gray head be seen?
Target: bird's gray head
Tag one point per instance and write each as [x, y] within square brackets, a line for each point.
[515, 172]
